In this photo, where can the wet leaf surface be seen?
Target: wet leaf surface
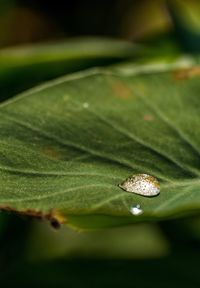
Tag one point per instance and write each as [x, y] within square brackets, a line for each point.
[65, 146]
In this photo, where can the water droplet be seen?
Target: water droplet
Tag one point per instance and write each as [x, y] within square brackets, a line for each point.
[142, 184]
[136, 210]
[85, 105]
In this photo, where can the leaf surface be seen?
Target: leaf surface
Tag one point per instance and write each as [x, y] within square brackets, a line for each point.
[65, 146]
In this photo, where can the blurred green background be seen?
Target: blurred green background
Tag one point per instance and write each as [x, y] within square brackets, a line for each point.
[40, 40]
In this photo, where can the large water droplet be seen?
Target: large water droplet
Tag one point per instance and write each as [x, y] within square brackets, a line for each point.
[136, 210]
[142, 184]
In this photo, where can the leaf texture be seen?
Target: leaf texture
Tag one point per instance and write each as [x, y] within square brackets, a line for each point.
[66, 145]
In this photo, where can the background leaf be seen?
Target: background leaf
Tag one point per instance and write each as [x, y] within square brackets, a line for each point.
[142, 241]
[25, 66]
[66, 146]
[185, 15]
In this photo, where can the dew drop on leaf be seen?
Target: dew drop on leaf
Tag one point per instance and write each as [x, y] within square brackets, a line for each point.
[142, 184]
[136, 210]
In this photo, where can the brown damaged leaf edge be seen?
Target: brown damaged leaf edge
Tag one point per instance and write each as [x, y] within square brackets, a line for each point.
[183, 74]
[55, 218]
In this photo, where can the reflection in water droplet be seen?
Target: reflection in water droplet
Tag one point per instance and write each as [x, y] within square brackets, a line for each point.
[85, 105]
[142, 184]
[136, 210]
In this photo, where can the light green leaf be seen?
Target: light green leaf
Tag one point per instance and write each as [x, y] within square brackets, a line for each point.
[140, 241]
[65, 146]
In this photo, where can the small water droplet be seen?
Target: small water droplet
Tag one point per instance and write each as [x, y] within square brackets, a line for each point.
[142, 184]
[85, 105]
[136, 210]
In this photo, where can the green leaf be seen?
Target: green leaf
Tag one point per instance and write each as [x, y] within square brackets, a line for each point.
[23, 67]
[65, 146]
[185, 15]
[140, 241]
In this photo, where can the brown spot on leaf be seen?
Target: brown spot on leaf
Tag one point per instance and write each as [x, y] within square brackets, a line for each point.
[51, 153]
[53, 216]
[183, 74]
[148, 117]
[121, 91]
